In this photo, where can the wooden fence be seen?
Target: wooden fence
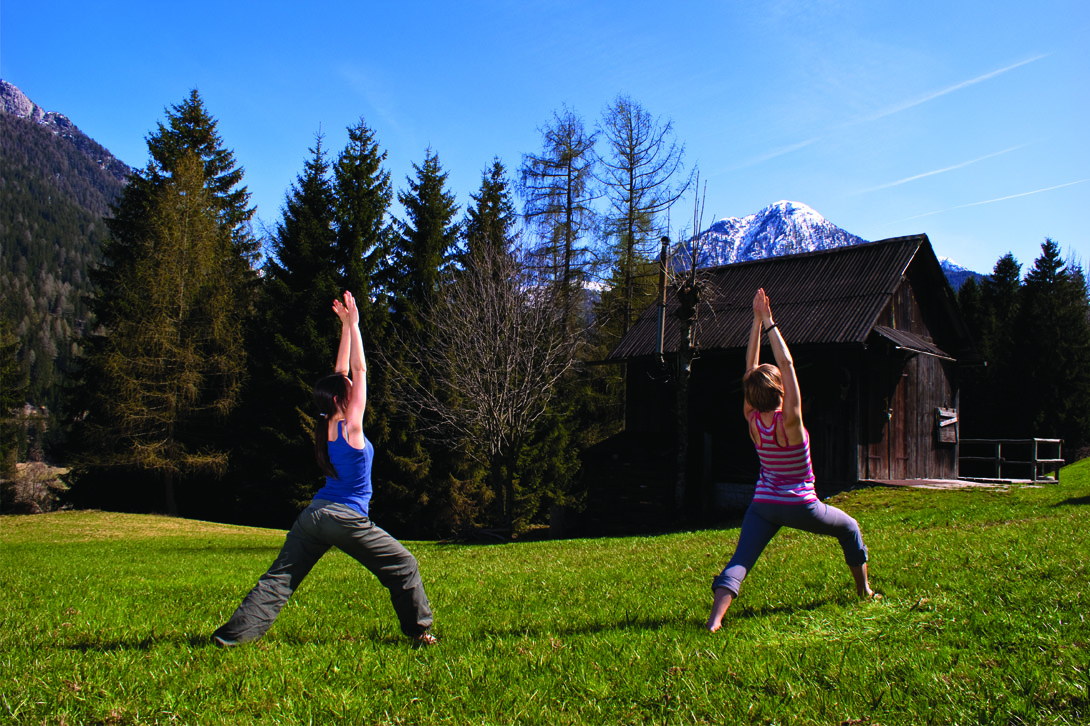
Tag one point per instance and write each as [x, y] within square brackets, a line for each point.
[1029, 462]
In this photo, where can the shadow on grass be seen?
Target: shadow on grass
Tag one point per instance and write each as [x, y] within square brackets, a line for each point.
[627, 623]
[747, 612]
[1073, 501]
[622, 624]
[205, 641]
[142, 644]
[543, 631]
[483, 538]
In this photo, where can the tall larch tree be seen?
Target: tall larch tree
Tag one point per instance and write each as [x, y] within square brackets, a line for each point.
[642, 171]
[169, 364]
[558, 189]
[174, 291]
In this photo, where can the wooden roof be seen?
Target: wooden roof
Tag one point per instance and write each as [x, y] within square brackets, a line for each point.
[827, 297]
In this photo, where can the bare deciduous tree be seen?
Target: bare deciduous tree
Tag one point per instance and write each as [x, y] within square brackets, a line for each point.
[498, 351]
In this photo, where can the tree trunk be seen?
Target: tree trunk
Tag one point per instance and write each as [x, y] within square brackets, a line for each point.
[684, 365]
[168, 486]
[499, 508]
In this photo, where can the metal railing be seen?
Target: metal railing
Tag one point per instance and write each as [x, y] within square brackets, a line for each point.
[1031, 462]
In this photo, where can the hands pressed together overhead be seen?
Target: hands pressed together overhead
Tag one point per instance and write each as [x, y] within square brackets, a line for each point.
[762, 306]
[347, 310]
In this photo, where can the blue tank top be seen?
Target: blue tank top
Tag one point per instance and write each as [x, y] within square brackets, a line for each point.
[353, 487]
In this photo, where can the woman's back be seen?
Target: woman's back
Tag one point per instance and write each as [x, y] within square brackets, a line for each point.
[787, 476]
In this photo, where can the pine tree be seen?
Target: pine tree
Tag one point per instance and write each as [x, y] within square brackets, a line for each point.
[365, 243]
[190, 198]
[1001, 299]
[428, 238]
[189, 129]
[490, 221]
[973, 395]
[294, 343]
[1052, 356]
[363, 196]
[411, 474]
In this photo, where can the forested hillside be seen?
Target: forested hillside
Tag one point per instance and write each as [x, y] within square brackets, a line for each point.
[53, 195]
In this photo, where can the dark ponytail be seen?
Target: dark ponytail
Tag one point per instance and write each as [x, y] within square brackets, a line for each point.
[327, 393]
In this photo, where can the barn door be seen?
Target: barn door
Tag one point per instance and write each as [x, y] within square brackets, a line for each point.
[887, 416]
[897, 434]
[877, 418]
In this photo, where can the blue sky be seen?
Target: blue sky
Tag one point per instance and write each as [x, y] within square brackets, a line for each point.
[966, 121]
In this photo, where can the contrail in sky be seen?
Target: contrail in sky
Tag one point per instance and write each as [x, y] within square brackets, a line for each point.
[988, 201]
[772, 154]
[888, 112]
[956, 87]
[938, 171]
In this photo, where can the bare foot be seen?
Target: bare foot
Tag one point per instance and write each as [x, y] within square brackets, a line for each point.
[862, 583]
[722, 601]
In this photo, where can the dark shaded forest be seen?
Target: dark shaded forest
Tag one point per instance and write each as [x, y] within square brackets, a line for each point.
[53, 196]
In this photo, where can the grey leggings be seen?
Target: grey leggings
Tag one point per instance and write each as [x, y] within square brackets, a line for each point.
[763, 521]
[320, 526]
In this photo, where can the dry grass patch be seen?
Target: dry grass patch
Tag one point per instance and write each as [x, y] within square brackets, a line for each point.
[94, 525]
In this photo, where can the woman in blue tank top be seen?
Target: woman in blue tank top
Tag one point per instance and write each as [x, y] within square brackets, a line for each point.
[338, 516]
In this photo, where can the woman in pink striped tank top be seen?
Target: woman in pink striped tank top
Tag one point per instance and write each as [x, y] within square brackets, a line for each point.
[785, 494]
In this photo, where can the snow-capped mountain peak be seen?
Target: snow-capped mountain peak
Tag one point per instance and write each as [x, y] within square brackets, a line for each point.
[782, 228]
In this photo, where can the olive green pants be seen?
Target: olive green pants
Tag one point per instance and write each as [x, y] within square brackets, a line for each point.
[320, 526]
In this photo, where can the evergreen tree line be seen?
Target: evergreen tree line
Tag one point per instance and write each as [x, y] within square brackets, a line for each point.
[192, 395]
[1034, 333]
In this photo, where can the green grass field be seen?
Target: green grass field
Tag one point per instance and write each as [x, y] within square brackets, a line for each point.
[105, 619]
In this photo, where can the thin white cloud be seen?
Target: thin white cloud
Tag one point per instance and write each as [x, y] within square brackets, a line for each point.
[956, 87]
[945, 169]
[987, 201]
[771, 155]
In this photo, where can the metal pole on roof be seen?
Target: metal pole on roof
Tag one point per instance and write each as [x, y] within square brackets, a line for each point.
[662, 296]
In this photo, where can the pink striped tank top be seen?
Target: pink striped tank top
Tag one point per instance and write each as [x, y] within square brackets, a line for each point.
[786, 474]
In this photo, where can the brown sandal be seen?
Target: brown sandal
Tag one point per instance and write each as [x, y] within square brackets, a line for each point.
[423, 639]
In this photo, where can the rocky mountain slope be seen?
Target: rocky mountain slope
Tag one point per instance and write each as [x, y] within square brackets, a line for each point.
[56, 184]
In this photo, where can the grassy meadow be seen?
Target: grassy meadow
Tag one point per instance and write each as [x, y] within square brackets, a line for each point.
[105, 619]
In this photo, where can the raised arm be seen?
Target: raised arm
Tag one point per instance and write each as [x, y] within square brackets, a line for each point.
[344, 349]
[753, 351]
[351, 362]
[792, 398]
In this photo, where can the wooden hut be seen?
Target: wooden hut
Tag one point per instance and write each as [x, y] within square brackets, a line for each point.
[877, 340]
